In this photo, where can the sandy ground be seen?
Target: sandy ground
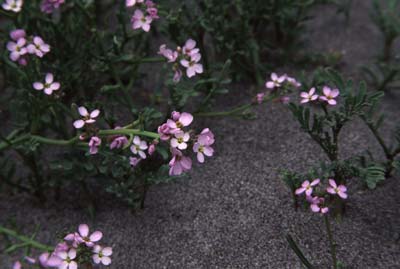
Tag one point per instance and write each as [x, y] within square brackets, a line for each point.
[234, 211]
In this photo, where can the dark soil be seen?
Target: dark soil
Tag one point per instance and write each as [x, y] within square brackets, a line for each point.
[235, 211]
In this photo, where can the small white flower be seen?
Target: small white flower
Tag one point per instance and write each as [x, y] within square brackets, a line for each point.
[13, 5]
[139, 146]
[180, 139]
[88, 118]
[68, 259]
[102, 255]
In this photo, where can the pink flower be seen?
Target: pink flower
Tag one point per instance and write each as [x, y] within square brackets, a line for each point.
[152, 148]
[17, 265]
[102, 255]
[49, 86]
[48, 6]
[139, 146]
[89, 240]
[168, 53]
[317, 205]
[68, 259]
[190, 48]
[175, 115]
[17, 34]
[203, 145]
[87, 118]
[276, 81]
[340, 190]
[180, 139]
[73, 238]
[139, 20]
[30, 260]
[94, 144]
[308, 96]
[119, 142]
[293, 82]
[185, 119]
[179, 163]
[260, 97]
[164, 132]
[134, 161]
[38, 47]
[307, 187]
[192, 65]
[329, 95]
[131, 3]
[47, 260]
[17, 49]
[153, 12]
[177, 75]
[13, 5]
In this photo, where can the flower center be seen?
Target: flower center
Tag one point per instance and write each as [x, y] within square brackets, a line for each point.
[201, 149]
[179, 125]
[180, 140]
[143, 19]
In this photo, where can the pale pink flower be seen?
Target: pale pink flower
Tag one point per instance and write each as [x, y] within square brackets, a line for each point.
[307, 187]
[185, 119]
[49, 86]
[175, 115]
[190, 48]
[131, 3]
[203, 145]
[13, 5]
[89, 240]
[88, 118]
[94, 144]
[17, 49]
[153, 12]
[179, 163]
[329, 95]
[139, 20]
[48, 260]
[340, 190]
[168, 53]
[139, 146]
[308, 96]
[38, 47]
[102, 255]
[134, 161]
[276, 81]
[164, 132]
[293, 82]
[17, 34]
[73, 238]
[260, 97]
[317, 205]
[152, 148]
[67, 258]
[17, 265]
[192, 65]
[180, 139]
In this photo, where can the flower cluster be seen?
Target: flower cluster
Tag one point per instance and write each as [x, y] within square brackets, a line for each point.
[284, 83]
[23, 45]
[187, 56]
[329, 96]
[173, 132]
[13, 5]
[320, 202]
[48, 6]
[78, 248]
[144, 15]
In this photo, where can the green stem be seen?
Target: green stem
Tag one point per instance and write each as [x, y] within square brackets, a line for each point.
[331, 242]
[231, 112]
[25, 239]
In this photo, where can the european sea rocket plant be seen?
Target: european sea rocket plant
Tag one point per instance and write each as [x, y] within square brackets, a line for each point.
[80, 249]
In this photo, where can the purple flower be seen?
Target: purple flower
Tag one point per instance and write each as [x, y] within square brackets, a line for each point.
[308, 96]
[203, 145]
[189, 48]
[102, 255]
[134, 161]
[94, 144]
[17, 34]
[340, 190]
[17, 265]
[48, 6]
[47, 260]
[168, 53]
[89, 240]
[119, 142]
[49, 86]
[317, 205]
[38, 47]
[88, 118]
[329, 95]
[179, 163]
[185, 119]
[164, 132]
[307, 187]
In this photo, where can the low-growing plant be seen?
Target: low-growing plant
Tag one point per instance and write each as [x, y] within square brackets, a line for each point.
[88, 96]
